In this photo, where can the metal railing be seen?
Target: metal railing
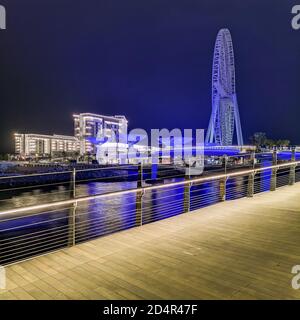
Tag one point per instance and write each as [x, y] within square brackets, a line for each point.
[67, 184]
[32, 230]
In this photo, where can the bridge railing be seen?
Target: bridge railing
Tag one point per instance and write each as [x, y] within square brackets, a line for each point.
[32, 230]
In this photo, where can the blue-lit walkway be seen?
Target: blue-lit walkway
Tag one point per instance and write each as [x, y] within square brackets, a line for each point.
[244, 249]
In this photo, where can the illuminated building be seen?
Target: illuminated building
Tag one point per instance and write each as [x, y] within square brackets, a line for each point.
[87, 127]
[38, 145]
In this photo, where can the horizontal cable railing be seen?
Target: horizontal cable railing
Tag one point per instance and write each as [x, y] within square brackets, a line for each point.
[32, 230]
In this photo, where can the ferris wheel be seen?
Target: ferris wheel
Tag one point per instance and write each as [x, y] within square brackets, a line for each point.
[225, 113]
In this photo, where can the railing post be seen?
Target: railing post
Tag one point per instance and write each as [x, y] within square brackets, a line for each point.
[274, 170]
[73, 183]
[224, 163]
[187, 196]
[223, 181]
[187, 190]
[139, 196]
[292, 176]
[250, 189]
[72, 225]
[251, 177]
[140, 175]
[223, 189]
[139, 207]
[253, 160]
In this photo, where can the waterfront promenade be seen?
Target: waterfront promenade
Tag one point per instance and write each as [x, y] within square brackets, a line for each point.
[242, 249]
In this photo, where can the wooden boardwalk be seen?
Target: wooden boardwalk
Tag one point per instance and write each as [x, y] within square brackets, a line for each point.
[243, 249]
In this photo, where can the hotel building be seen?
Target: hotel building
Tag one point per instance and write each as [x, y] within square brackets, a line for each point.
[87, 126]
[38, 145]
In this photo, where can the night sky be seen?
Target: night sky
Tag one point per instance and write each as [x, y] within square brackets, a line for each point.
[149, 60]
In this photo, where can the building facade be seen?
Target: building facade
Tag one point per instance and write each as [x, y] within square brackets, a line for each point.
[88, 126]
[39, 145]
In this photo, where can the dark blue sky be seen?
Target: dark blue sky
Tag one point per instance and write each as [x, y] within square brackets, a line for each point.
[149, 60]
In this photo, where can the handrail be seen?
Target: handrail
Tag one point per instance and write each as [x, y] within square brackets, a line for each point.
[70, 171]
[65, 172]
[144, 189]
